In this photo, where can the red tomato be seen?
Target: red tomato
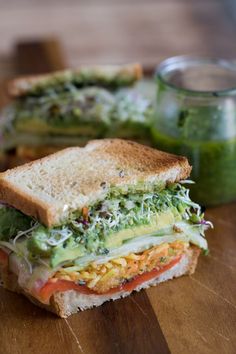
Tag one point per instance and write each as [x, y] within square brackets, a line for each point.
[53, 286]
[148, 276]
[3, 258]
[61, 285]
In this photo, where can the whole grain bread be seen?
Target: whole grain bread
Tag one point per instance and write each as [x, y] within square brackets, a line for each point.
[51, 188]
[68, 302]
[113, 75]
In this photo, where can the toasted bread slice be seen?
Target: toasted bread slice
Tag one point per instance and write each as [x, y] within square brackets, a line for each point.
[68, 302]
[107, 75]
[51, 188]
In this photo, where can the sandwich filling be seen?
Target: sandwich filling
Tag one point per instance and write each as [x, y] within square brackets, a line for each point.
[74, 112]
[122, 240]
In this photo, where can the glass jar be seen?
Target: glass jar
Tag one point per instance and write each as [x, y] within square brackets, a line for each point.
[195, 116]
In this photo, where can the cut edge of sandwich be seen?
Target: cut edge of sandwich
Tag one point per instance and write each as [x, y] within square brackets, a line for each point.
[109, 162]
[70, 302]
[24, 85]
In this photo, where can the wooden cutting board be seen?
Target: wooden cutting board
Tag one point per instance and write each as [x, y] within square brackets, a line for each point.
[195, 314]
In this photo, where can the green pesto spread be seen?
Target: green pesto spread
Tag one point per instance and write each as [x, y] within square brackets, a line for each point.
[63, 81]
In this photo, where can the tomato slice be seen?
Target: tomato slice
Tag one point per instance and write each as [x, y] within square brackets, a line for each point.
[3, 258]
[61, 285]
[130, 286]
[53, 286]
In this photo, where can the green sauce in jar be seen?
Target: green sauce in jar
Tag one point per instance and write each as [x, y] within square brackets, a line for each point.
[201, 126]
[214, 167]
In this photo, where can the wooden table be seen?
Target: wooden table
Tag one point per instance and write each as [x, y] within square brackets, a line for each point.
[195, 314]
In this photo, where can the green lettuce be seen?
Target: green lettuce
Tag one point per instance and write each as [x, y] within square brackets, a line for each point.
[12, 222]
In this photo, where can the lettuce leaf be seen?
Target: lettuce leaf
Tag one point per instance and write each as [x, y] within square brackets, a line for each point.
[11, 222]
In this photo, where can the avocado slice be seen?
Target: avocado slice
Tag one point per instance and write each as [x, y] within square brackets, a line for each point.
[37, 243]
[40, 126]
[69, 253]
[159, 221]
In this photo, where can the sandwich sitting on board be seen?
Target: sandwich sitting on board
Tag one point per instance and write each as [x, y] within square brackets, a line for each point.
[87, 225]
[70, 107]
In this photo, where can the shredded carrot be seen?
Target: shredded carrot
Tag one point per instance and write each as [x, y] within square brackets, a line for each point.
[85, 212]
[101, 277]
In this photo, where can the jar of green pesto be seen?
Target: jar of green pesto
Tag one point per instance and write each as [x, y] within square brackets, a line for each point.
[195, 116]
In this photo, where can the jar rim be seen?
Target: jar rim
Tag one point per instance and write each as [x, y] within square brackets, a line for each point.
[172, 63]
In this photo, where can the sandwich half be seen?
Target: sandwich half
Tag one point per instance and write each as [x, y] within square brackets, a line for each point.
[70, 107]
[87, 225]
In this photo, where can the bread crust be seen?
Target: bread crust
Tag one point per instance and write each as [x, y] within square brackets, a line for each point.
[60, 301]
[114, 162]
[30, 205]
[23, 85]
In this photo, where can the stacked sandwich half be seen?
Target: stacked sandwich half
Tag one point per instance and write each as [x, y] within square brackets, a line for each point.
[70, 107]
[86, 225]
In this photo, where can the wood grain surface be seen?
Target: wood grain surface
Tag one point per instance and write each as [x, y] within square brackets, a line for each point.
[195, 314]
[109, 31]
